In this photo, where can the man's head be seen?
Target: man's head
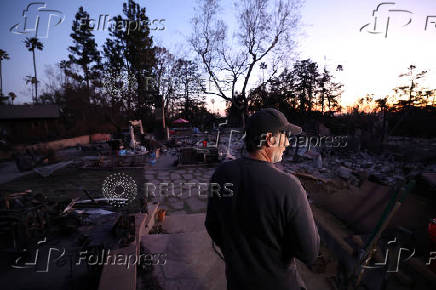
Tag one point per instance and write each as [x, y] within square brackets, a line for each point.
[267, 132]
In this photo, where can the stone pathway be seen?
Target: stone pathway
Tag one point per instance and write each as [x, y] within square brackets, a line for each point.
[178, 190]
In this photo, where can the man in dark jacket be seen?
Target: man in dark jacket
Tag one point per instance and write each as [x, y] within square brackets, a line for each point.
[259, 216]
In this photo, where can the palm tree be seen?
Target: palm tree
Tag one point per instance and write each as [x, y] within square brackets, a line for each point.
[382, 104]
[3, 56]
[29, 80]
[63, 65]
[13, 96]
[263, 67]
[32, 44]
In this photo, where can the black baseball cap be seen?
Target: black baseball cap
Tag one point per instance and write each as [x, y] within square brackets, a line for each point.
[270, 120]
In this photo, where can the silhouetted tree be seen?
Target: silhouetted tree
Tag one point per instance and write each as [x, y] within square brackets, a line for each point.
[84, 52]
[3, 56]
[12, 96]
[116, 71]
[265, 30]
[305, 73]
[329, 91]
[412, 91]
[188, 84]
[164, 70]
[136, 48]
[300, 89]
[32, 44]
[64, 66]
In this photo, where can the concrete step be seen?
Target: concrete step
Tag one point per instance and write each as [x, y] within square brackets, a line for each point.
[191, 262]
[184, 223]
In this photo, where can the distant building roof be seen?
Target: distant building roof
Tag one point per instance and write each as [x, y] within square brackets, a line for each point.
[17, 112]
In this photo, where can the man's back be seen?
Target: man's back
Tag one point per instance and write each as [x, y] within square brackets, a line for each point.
[261, 222]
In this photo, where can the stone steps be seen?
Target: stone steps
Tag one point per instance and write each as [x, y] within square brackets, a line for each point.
[184, 223]
[191, 262]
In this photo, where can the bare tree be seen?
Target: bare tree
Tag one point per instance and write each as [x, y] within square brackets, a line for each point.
[266, 29]
[188, 84]
[163, 82]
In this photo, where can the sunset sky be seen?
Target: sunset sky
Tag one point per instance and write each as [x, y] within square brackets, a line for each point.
[330, 35]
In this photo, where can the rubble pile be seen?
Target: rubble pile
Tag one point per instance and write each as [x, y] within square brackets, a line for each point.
[386, 168]
[24, 217]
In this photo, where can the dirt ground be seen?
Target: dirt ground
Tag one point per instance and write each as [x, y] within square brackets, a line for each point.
[66, 183]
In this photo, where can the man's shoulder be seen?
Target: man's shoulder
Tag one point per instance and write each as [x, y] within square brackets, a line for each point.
[268, 170]
[292, 179]
[228, 167]
[287, 179]
[243, 163]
